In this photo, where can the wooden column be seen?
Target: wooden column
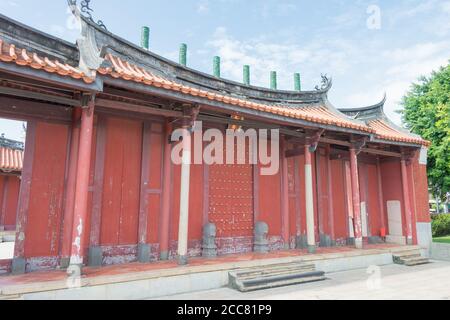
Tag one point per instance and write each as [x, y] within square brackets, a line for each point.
[309, 196]
[70, 189]
[330, 197]
[82, 185]
[19, 261]
[167, 178]
[406, 202]
[183, 227]
[285, 194]
[143, 246]
[380, 197]
[356, 198]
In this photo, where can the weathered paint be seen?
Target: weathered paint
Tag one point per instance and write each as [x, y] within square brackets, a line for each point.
[285, 194]
[82, 185]
[9, 196]
[121, 182]
[356, 198]
[309, 198]
[341, 214]
[406, 201]
[166, 201]
[41, 231]
[69, 203]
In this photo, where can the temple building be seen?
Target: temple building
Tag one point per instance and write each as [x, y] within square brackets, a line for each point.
[99, 187]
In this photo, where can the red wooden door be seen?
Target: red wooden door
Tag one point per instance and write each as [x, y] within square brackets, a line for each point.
[231, 199]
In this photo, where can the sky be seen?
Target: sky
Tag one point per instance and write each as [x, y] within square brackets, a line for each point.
[368, 47]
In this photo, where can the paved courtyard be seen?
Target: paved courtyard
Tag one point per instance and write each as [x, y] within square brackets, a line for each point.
[430, 281]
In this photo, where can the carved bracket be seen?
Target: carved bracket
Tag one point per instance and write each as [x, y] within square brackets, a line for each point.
[313, 139]
[359, 144]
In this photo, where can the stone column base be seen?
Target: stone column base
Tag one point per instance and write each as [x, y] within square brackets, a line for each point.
[95, 257]
[18, 266]
[143, 252]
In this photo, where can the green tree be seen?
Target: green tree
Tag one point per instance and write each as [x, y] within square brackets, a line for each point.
[427, 113]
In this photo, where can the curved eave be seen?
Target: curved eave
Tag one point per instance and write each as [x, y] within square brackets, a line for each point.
[224, 107]
[375, 114]
[109, 42]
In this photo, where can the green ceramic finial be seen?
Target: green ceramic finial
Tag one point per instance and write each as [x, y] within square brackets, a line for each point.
[183, 54]
[273, 80]
[297, 82]
[145, 38]
[247, 75]
[216, 66]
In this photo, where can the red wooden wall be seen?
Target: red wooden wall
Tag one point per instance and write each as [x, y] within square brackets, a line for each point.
[9, 194]
[45, 201]
[339, 200]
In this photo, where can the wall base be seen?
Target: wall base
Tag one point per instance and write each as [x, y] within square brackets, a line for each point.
[396, 240]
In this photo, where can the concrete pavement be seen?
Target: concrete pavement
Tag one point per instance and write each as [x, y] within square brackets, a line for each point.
[431, 281]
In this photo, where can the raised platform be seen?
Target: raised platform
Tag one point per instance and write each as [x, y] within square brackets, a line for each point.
[144, 281]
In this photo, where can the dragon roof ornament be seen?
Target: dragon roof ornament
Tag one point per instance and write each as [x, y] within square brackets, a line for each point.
[86, 10]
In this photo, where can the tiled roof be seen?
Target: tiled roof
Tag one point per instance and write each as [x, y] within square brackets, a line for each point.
[9, 53]
[10, 160]
[385, 131]
[319, 114]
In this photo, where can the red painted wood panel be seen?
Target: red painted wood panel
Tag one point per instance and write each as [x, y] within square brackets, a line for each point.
[391, 176]
[195, 202]
[270, 202]
[322, 197]
[154, 188]
[10, 204]
[3, 180]
[302, 196]
[339, 199]
[121, 188]
[373, 201]
[292, 186]
[46, 194]
[421, 192]
[231, 199]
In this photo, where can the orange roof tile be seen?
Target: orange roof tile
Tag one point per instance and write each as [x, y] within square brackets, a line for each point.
[11, 160]
[9, 53]
[320, 114]
[386, 132]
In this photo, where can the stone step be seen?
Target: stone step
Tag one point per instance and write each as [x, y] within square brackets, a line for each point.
[281, 268]
[268, 274]
[415, 262]
[271, 276]
[279, 281]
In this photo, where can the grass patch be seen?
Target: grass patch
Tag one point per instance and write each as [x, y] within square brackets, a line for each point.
[442, 239]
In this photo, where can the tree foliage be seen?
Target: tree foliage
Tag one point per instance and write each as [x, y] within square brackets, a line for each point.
[427, 113]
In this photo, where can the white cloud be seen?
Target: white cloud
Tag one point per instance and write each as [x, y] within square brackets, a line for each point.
[203, 6]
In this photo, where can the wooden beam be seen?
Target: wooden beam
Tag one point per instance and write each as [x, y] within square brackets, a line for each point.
[382, 152]
[124, 106]
[39, 96]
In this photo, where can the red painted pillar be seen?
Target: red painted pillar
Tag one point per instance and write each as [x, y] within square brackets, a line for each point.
[285, 194]
[380, 198]
[82, 185]
[165, 216]
[406, 202]
[330, 197]
[70, 189]
[356, 198]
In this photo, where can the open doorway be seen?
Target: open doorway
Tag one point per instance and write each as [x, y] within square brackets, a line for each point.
[12, 146]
